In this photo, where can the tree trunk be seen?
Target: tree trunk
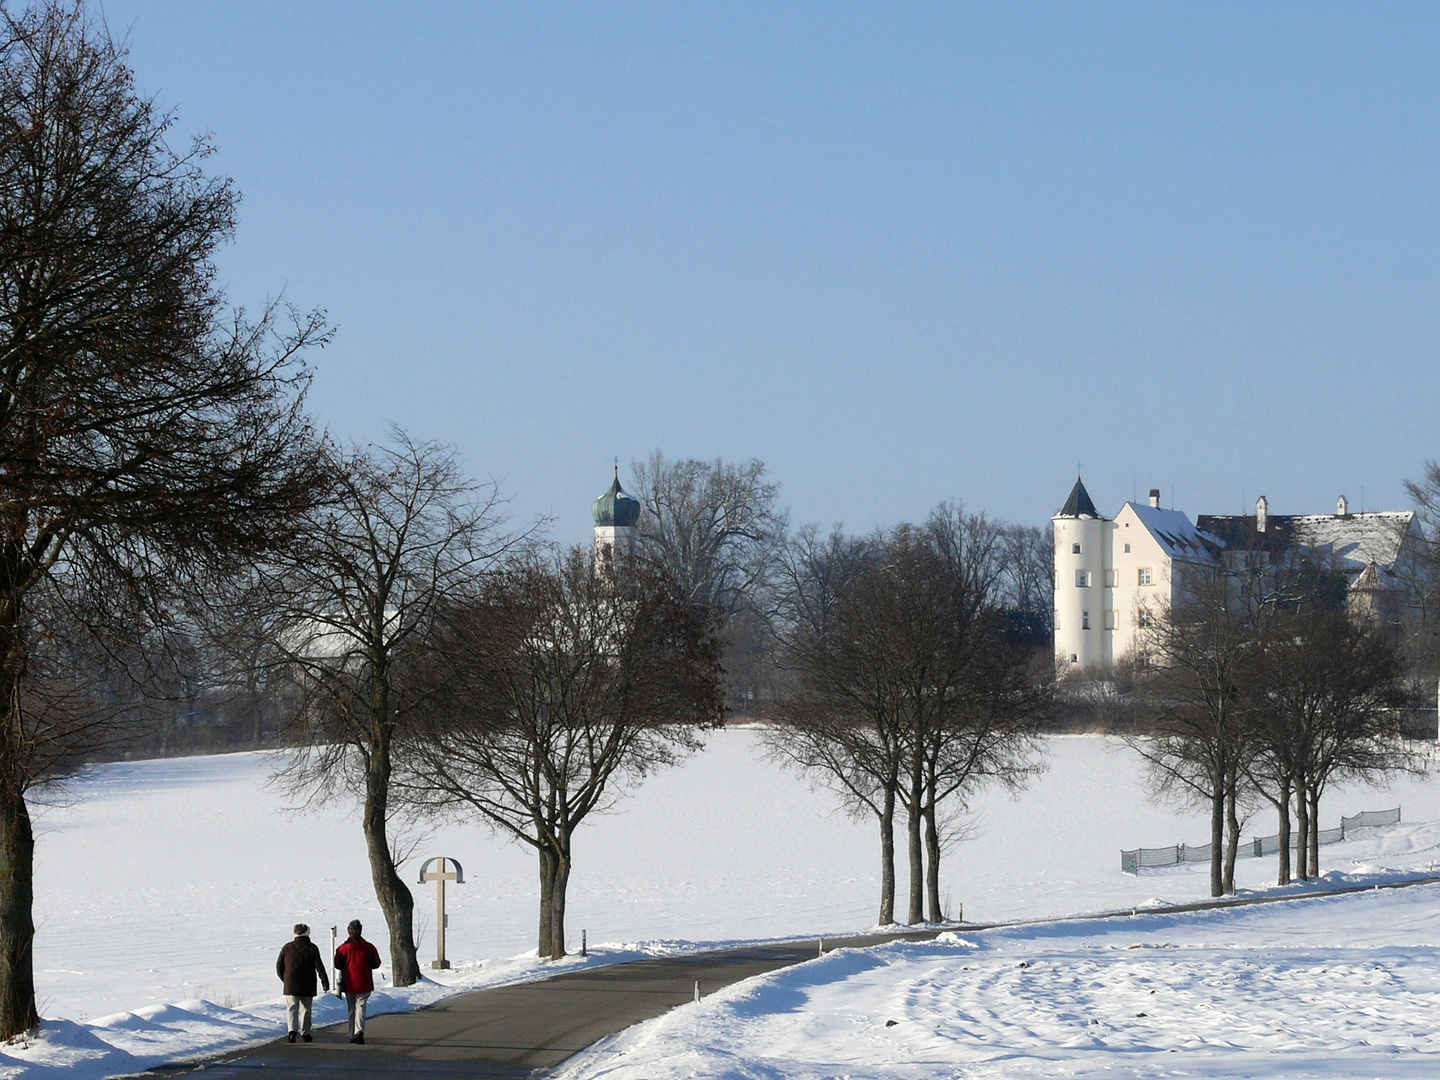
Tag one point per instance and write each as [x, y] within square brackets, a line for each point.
[1217, 840]
[1283, 809]
[557, 905]
[917, 866]
[1232, 845]
[17, 857]
[543, 947]
[1314, 837]
[17, 931]
[887, 859]
[1302, 844]
[393, 894]
[932, 865]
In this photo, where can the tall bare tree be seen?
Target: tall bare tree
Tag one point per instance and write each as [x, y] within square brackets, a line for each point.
[908, 690]
[349, 614]
[147, 439]
[1196, 658]
[566, 680]
[836, 722]
[1335, 688]
[716, 529]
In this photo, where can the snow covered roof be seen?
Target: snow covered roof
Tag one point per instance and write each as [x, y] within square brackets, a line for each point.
[1357, 538]
[1353, 539]
[1176, 534]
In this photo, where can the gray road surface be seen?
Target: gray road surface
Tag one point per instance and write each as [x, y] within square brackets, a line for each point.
[512, 1031]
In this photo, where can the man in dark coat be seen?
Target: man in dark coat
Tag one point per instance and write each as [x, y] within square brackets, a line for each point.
[298, 964]
[354, 961]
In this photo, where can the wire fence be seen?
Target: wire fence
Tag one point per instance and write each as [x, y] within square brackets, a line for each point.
[1132, 862]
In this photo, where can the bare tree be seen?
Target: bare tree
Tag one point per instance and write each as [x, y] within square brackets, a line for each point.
[716, 530]
[145, 441]
[713, 527]
[565, 681]
[1335, 686]
[348, 615]
[1196, 658]
[908, 691]
[836, 722]
[1027, 582]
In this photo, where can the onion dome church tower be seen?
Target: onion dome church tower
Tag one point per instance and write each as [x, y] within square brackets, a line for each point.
[615, 514]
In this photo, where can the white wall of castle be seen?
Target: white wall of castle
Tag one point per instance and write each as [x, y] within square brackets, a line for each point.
[1128, 574]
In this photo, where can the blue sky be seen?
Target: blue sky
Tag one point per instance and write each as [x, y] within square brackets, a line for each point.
[899, 253]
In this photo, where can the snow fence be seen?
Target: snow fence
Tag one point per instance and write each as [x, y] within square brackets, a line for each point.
[1132, 862]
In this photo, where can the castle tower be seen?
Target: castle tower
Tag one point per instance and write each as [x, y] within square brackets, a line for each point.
[615, 514]
[1079, 583]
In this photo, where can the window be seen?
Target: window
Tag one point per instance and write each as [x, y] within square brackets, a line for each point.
[1144, 576]
[1082, 579]
[1074, 659]
[1127, 549]
[1112, 620]
[1144, 617]
[1112, 578]
[1074, 549]
[1084, 620]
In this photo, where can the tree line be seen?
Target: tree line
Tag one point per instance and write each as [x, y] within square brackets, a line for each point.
[1260, 685]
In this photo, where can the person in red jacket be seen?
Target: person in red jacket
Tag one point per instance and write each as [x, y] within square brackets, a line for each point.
[354, 961]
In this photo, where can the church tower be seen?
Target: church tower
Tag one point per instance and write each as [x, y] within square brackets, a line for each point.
[615, 514]
[1079, 583]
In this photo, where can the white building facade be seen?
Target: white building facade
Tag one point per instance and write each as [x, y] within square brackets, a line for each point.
[1113, 576]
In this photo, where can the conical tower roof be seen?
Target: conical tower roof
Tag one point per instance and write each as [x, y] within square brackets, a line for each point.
[1078, 505]
[615, 507]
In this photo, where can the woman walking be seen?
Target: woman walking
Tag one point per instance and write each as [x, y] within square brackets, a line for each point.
[355, 960]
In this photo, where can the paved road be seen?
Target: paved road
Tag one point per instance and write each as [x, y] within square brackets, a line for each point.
[514, 1030]
[511, 1031]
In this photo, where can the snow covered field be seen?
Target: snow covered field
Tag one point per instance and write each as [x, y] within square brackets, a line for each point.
[1326, 987]
[172, 882]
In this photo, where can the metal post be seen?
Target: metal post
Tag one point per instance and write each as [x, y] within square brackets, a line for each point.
[334, 979]
[440, 961]
[582, 944]
[697, 989]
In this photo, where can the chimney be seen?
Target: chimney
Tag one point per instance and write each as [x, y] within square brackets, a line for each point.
[1260, 507]
[1155, 498]
[1342, 508]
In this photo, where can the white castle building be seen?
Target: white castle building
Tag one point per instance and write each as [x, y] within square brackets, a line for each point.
[1112, 575]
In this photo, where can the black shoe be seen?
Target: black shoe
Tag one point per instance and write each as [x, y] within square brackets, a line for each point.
[292, 1036]
[359, 1039]
[307, 1037]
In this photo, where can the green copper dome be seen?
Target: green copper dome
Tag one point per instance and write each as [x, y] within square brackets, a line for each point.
[615, 507]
